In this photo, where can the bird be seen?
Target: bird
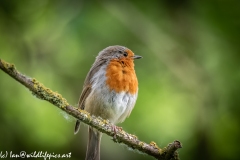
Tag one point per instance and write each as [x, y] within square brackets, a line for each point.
[110, 91]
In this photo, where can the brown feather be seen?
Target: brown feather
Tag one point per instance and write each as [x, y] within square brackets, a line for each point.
[87, 88]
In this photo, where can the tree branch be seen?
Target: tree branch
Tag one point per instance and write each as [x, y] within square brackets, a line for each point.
[104, 126]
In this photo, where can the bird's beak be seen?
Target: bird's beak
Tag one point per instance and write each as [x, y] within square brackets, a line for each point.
[136, 57]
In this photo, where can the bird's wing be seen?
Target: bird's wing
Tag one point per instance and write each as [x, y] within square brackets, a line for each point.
[85, 92]
[88, 87]
[88, 83]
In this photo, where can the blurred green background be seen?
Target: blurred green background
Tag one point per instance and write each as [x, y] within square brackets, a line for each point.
[189, 78]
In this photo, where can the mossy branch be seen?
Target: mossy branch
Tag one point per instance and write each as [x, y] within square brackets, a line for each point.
[104, 126]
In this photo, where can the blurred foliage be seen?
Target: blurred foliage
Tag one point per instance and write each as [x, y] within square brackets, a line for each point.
[188, 79]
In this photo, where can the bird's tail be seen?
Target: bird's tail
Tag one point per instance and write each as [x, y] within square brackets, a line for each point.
[93, 148]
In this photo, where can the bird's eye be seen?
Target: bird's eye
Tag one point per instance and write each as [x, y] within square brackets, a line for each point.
[125, 54]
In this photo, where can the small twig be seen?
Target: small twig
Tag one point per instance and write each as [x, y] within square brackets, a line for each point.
[172, 147]
[39, 90]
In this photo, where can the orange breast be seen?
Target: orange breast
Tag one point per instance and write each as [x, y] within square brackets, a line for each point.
[121, 76]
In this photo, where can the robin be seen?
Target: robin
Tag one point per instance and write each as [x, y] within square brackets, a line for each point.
[110, 91]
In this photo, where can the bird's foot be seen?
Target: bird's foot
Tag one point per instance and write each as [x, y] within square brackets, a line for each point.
[115, 130]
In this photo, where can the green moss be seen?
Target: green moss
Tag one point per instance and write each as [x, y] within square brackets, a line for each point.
[134, 136]
[160, 151]
[154, 144]
[45, 93]
[8, 66]
[141, 144]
